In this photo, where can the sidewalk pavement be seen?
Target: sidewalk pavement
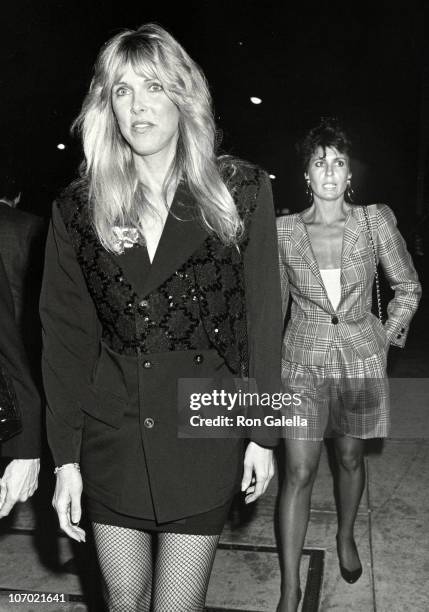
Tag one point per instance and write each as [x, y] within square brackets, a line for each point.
[392, 534]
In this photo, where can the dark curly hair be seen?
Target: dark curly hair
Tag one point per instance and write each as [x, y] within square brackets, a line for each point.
[329, 133]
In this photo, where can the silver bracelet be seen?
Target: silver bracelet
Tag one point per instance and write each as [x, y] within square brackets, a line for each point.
[60, 467]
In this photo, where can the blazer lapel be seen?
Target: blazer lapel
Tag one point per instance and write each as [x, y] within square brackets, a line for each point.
[301, 240]
[302, 244]
[182, 235]
[352, 230]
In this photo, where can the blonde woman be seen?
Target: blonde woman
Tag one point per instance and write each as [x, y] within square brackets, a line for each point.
[161, 265]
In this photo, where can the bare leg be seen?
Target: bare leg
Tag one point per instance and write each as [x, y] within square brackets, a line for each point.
[351, 481]
[302, 460]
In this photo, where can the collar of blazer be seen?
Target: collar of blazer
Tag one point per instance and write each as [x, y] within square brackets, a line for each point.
[302, 243]
[183, 233]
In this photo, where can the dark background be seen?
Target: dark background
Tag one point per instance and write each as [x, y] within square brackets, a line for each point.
[366, 63]
[361, 62]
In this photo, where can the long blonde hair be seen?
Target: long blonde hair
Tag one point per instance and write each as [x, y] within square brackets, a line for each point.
[116, 196]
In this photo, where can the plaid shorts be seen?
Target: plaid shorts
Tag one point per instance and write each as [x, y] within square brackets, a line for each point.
[346, 396]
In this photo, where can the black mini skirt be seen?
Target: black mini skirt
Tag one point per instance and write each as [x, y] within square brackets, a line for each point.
[207, 523]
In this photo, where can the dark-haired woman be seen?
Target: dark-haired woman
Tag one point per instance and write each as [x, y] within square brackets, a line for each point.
[334, 348]
[161, 265]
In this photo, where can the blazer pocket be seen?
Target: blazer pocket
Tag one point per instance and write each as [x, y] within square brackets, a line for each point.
[105, 407]
[108, 389]
[380, 330]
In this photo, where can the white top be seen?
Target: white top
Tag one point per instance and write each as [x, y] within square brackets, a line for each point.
[331, 280]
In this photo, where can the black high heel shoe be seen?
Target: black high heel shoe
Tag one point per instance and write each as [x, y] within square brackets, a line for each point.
[350, 576]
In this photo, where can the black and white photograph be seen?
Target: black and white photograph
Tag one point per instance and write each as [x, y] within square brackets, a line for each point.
[214, 341]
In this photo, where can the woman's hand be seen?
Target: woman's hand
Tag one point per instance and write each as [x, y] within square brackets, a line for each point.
[258, 471]
[18, 483]
[66, 501]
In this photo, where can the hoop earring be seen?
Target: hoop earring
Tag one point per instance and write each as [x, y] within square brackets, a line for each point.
[349, 192]
[309, 192]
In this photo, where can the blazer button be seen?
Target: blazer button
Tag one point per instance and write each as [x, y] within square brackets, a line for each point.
[147, 364]
[144, 304]
[334, 319]
[149, 423]
[198, 359]
[403, 330]
[399, 336]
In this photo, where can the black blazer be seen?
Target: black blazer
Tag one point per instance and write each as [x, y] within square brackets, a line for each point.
[99, 389]
[22, 237]
[25, 445]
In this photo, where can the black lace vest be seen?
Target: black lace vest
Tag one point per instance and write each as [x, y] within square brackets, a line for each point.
[202, 301]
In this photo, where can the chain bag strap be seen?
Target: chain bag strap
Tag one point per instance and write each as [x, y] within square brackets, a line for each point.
[377, 280]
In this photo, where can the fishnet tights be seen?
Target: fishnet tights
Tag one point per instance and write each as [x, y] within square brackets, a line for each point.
[177, 582]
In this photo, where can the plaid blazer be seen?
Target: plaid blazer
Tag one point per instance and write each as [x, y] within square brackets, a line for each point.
[314, 325]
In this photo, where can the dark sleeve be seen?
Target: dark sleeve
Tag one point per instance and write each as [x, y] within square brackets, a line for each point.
[70, 332]
[33, 258]
[263, 300]
[25, 445]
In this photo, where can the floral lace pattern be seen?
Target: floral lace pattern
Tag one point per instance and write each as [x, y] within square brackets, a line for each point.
[200, 305]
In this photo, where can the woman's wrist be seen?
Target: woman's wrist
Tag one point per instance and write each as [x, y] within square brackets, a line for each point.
[59, 468]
